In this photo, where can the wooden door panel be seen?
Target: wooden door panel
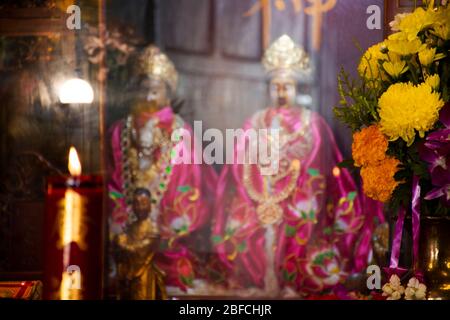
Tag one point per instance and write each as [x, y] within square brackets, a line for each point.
[407, 4]
[295, 24]
[183, 33]
[240, 35]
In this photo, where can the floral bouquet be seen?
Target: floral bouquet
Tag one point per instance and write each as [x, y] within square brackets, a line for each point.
[399, 113]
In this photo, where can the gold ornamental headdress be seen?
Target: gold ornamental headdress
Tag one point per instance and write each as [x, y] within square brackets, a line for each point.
[284, 56]
[156, 64]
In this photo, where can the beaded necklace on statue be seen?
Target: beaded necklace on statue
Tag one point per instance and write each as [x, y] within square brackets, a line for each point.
[157, 176]
[269, 210]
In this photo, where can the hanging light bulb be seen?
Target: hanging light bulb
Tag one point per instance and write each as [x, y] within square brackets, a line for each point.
[76, 91]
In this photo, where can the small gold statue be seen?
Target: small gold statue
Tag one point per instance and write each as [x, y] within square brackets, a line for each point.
[139, 277]
[380, 244]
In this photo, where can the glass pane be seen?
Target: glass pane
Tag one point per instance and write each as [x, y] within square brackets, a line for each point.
[186, 149]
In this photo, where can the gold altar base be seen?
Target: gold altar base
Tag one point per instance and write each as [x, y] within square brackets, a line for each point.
[435, 256]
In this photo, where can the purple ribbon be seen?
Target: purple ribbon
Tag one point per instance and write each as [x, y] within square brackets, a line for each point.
[397, 240]
[416, 190]
[395, 250]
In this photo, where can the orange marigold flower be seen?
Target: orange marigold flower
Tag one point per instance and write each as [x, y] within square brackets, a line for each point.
[369, 146]
[378, 180]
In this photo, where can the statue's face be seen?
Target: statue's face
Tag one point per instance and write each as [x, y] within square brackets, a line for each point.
[155, 92]
[283, 91]
[142, 206]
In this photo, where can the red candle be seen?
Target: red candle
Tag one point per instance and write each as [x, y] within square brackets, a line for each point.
[73, 263]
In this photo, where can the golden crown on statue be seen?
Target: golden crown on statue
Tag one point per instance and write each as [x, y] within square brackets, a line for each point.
[157, 64]
[285, 56]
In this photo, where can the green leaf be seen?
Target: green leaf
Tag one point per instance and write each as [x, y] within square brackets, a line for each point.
[327, 231]
[290, 231]
[319, 260]
[313, 172]
[352, 195]
[292, 277]
[183, 229]
[419, 169]
[349, 163]
[188, 281]
[216, 239]
[241, 247]
[358, 100]
[116, 195]
[312, 215]
[229, 232]
[184, 188]
[289, 277]
[285, 275]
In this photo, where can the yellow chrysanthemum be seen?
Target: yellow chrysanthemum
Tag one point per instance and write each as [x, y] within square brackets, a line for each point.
[369, 67]
[395, 24]
[404, 108]
[442, 27]
[378, 180]
[442, 31]
[417, 21]
[433, 81]
[395, 69]
[398, 36]
[426, 56]
[397, 44]
[369, 146]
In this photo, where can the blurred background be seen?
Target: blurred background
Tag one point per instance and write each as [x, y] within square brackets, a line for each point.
[216, 46]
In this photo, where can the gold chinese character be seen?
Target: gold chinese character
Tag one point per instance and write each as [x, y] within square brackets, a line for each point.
[316, 9]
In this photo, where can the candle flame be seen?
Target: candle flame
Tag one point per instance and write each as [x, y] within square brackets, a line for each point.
[74, 162]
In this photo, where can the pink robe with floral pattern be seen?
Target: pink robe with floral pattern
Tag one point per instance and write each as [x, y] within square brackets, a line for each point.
[183, 211]
[325, 231]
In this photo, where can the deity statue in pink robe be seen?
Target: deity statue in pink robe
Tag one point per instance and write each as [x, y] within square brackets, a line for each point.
[142, 148]
[303, 228]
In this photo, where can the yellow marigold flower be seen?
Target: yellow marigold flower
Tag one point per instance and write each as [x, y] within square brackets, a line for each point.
[404, 47]
[433, 81]
[378, 180]
[368, 66]
[369, 146]
[417, 21]
[404, 108]
[395, 69]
